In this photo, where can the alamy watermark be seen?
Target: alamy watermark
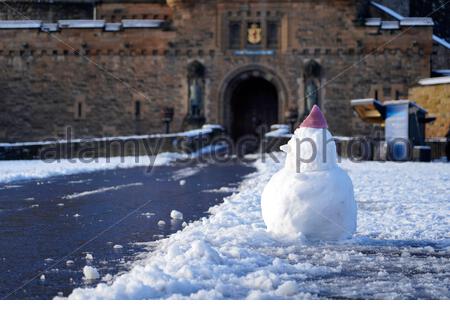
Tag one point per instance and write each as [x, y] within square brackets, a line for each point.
[218, 148]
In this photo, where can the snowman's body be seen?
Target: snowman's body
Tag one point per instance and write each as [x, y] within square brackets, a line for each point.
[311, 196]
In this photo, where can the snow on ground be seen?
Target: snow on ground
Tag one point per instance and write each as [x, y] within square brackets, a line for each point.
[14, 170]
[102, 190]
[401, 249]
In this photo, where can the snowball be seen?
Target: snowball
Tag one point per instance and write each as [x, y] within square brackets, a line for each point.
[76, 215]
[69, 263]
[90, 273]
[148, 214]
[89, 256]
[42, 277]
[177, 215]
[184, 224]
[182, 182]
[161, 223]
[117, 247]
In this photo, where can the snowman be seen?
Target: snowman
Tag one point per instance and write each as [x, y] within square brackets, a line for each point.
[311, 197]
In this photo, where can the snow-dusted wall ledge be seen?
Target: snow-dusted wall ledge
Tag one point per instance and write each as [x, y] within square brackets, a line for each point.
[82, 24]
[186, 142]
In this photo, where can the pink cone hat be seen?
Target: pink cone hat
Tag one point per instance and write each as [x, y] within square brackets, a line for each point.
[315, 119]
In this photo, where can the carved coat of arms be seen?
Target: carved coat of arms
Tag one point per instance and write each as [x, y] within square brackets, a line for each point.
[254, 34]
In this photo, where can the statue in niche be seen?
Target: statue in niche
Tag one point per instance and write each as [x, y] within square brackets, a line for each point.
[196, 74]
[195, 98]
[312, 85]
[311, 95]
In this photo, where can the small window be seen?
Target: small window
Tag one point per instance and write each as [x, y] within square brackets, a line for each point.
[272, 35]
[80, 110]
[235, 35]
[397, 95]
[376, 95]
[137, 110]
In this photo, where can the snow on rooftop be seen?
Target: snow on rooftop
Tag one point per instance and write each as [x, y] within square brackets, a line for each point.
[49, 27]
[443, 72]
[390, 25]
[354, 102]
[393, 102]
[411, 21]
[441, 41]
[402, 227]
[386, 10]
[113, 26]
[20, 24]
[434, 81]
[416, 21]
[141, 23]
[373, 22]
[81, 24]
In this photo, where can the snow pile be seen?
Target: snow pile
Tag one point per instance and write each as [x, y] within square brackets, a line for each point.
[36, 169]
[90, 273]
[311, 196]
[400, 250]
[176, 215]
[279, 130]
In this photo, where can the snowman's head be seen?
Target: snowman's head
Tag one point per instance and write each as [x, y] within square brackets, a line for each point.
[311, 147]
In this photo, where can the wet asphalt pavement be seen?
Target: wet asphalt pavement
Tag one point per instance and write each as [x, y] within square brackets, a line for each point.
[47, 223]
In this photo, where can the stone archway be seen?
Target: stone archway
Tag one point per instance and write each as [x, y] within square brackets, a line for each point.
[250, 97]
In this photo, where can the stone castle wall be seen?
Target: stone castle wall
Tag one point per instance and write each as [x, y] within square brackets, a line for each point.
[48, 11]
[46, 76]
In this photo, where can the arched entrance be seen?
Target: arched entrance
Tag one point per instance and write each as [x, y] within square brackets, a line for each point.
[254, 102]
[251, 97]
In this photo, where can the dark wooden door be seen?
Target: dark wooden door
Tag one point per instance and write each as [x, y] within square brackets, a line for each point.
[254, 102]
